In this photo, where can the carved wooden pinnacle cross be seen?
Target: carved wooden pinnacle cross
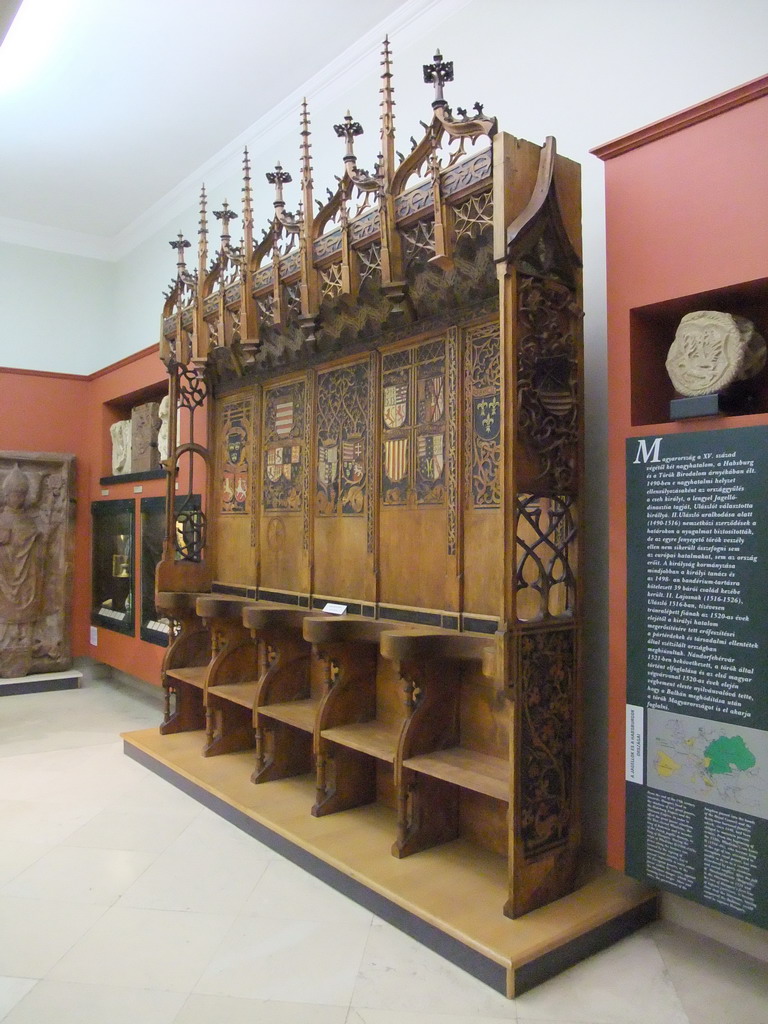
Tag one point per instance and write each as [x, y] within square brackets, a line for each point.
[225, 216]
[180, 244]
[278, 178]
[439, 72]
[349, 130]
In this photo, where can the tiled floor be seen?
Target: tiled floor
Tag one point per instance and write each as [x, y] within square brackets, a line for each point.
[122, 901]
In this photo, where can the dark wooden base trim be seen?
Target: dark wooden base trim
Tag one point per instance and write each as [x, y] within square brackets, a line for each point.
[42, 683]
[547, 966]
[226, 588]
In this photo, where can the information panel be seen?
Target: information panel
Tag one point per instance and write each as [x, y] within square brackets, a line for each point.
[697, 672]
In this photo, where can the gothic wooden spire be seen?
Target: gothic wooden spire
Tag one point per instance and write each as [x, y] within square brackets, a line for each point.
[202, 245]
[309, 288]
[306, 168]
[387, 117]
[247, 207]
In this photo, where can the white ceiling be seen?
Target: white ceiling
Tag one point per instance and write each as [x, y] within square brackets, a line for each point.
[106, 105]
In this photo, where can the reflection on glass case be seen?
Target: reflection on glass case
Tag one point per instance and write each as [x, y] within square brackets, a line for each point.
[154, 626]
[113, 590]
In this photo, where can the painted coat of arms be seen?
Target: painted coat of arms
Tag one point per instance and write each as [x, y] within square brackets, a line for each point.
[235, 474]
[344, 414]
[431, 393]
[284, 456]
[327, 475]
[431, 456]
[395, 404]
[353, 474]
[487, 416]
[284, 418]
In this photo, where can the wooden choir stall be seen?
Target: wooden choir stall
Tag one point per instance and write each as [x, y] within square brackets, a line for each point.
[375, 661]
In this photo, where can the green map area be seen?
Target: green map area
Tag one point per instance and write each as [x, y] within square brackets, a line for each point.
[708, 761]
[729, 754]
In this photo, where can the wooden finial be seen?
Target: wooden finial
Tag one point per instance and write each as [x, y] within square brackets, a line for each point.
[225, 215]
[349, 130]
[180, 244]
[438, 72]
[278, 178]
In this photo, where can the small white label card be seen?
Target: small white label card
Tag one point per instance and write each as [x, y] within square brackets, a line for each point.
[335, 609]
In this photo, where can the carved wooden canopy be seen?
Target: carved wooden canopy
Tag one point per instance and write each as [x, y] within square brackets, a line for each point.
[403, 242]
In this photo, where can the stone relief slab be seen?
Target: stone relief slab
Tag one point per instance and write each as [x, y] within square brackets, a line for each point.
[145, 425]
[37, 505]
[712, 350]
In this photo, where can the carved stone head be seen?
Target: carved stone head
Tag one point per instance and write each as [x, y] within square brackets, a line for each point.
[15, 488]
[712, 350]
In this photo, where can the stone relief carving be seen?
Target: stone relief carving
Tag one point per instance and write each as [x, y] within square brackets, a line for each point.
[36, 538]
[121, 447]
[712, 350]
[145, 425]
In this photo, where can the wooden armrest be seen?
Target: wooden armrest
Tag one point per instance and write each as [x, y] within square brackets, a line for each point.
[399, 645]
[274, 616]
[339, 629]
[176, 601]
[221, 606]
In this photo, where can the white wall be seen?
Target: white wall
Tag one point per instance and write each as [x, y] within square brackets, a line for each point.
[56, 311]
[585, 71]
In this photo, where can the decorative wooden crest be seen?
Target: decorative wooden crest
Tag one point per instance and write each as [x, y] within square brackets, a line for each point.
[278, 299]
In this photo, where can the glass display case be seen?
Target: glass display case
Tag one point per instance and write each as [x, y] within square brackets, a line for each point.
[112, 600]
[154, 627]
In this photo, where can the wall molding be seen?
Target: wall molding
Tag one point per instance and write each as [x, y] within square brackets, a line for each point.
[684, 119]
[150, 350]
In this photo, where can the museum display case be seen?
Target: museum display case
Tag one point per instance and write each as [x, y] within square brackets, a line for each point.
[113, 564]
[155, 626]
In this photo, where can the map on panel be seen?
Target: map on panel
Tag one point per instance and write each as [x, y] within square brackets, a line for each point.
[708, 761]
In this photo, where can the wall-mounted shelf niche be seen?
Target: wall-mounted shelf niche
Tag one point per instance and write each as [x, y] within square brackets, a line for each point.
[652, 330]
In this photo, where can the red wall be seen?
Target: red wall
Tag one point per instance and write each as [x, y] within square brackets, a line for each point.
[49, 412]
[686, 212]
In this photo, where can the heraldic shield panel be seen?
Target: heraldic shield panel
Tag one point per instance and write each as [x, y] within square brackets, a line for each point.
[284, 418]
[343, 399]
[413, 426]
[236, 438]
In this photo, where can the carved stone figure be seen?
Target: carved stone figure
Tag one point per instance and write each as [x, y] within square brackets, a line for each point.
[164, 411]
[21, 551]
[121, 447]
[145, 424]
[713, 350]
[35, 562]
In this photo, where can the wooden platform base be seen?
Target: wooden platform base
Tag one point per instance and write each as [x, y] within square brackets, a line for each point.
[450, 898]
